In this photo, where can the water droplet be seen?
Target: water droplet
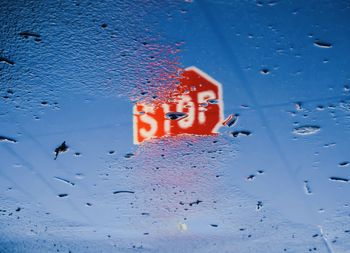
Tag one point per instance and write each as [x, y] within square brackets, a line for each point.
[26, 35]
[183, 11]
[7, 139]
[60, 149]
[230, 120]
[272, 3]
[307, 187]
[250, 177]
[265, 71]
[322, 44]
[213, 101]
[128, 155]
[345, 106]
[195, 202]
[344, 164]
[259, 205]
[241, 133]
[79, 175]
[298, 106]
[117, 192]
[64, 181]
[7, 61]
[339, 179]
[306, 130]
[327, 145]
[176, 115]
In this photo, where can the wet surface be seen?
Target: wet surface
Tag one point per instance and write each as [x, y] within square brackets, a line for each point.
[76, 76]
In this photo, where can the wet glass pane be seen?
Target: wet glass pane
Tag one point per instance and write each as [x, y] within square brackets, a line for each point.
[174, 126]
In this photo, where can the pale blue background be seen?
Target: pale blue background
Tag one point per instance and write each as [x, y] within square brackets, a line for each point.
[90, 76]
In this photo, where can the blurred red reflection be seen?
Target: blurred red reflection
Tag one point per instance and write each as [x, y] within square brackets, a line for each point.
[195, 107]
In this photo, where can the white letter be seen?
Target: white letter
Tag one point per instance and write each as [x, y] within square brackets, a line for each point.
[150, 121]
[188, 121]
[203, 96]
[166, 122]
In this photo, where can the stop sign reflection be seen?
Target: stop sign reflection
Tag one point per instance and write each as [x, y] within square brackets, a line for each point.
[195, 108]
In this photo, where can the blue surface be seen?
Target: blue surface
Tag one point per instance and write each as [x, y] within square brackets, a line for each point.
[72, 71]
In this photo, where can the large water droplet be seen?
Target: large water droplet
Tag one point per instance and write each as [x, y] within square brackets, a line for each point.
[306, 130]
[322, 44]
[339, 179]
[230, 120]
[60, 149]
[344, 164]
[176, 115]
[250, 177]
[265, 71]
[7, 139]
[26, 35]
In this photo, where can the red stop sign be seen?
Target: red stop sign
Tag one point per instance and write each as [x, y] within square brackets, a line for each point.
[195, 107]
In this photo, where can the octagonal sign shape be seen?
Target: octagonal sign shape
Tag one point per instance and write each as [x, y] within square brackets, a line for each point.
[195, 107]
